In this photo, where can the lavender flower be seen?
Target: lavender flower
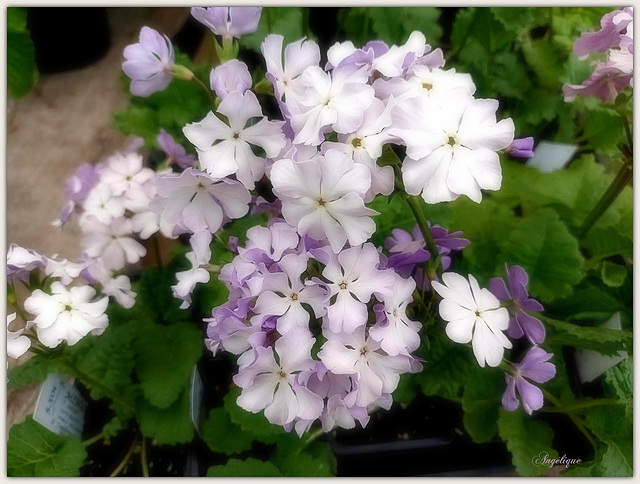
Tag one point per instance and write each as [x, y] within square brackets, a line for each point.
[174, 151]
[520, 323]
[229, 22]
[149, 63]
[521, 147]
[229, 77]
[534, 366]
[613, 26]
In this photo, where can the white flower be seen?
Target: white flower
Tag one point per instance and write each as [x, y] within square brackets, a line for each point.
[473, 313]
[451, 145]
[17, 345]
[124, 171]
[67, 314]
[103, 204]
[323, 197]
[112, 243]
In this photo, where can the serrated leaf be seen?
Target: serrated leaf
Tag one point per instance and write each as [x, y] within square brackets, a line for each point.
[245, 468]
[481, 402]
[604, 129]
[303, 464]
[603, 340]
[165, 359]
[168, 426]
[526, 439]
[591, 302]
[34, 370]
[545, 60]
[613, 426]
[34, 451]
[543, 246]
[393, 25]
[254, 423]
[607, 242]
[222, 435]
[285, 21]
[520, 19]
[446, 370]
[619, 383]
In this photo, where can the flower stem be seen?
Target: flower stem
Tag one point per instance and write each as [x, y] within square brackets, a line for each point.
[624, 176]
[580, 405]
[93, 440]
[143, 458]
[127, 456]
[579, 423]
[205, 89]
[310, 439]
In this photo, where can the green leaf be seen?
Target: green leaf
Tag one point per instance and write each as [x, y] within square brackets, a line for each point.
[545, 60]
[155, 295]
[34, 370]
[393, 25]
[222, 435]
[244, 468]
[303, 464]
[607, 242]
[526, 439]
[212, 294]
[520, 19]
[255, 424]
[619, 383]
[446, 370]
[34, 451]
[165, 359]
[614, 426]
[285, 21]
[604, 129]
[481, 402]
[22, 72]
[591, 302]
[543, 246]
[603, 340]
[168, 426]
[407, 389]
[613, 274]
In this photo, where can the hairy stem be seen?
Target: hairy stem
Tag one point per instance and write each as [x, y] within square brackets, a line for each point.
[93, 440]
[127, 456]
[143, 458]
[205, 89]
[580, 405]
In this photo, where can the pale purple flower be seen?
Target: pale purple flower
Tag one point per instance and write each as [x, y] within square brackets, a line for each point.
[78, 186]
[174, 151]
[21, 261]
[229, 77]
[451, 145]
[613, 25]
[605, 83]
[394, 330]
[515, 292]
[148, 63]
[197, 202]
[521, 147]
[66, 314]
[398, 59]
[323, 198]
[229, 22]
[226, 149]
[269, 244]
[534, 366]
[474, 314]
[353, 278]
[113, 243]
[283, 294]
[17, 344]
[198, 257]
[425, 82]
[103, 204]
[123, 172]
[324, 101]
[228, 331]
[271, 385]
[111, 284]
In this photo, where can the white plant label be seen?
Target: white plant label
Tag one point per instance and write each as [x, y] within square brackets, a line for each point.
[60, 407]
[196, 398]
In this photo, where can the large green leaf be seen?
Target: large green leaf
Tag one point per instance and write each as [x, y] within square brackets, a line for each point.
[34, 370]
[34, 451]
[481, 402]
[168, 426]
[619, 383]
[614, 426]
[285, 21]
[222, 435]
[446, 369]
[526, 439]
[603, 340]
[394, 24]
[245, 468]
[543, 246]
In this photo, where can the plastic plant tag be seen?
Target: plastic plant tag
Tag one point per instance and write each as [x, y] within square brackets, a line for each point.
[548, 156]
[591, 364]
[195, 409]
[60, 407]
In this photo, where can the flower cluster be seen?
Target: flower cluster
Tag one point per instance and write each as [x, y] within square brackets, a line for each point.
[609, 78]
[318, 334]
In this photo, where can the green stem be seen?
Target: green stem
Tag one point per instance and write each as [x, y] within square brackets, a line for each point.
[143, 458]
[624, 176]
[627, 129]
[93, 440]
[580, 405]
[578, 422]
[205, 89]
[156, 246]
[310, 439]
[127, 456]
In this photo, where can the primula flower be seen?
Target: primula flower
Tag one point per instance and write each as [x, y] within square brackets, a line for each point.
[17, 345]
[103, 204]
[473, 313]
[605, 83]
[124, 171]
[149, 63]
[229, 77]
[198, 257]
[116, 286]
[271, 385]
[77, 187]
[451, 145]
[323, 197]
[112, 243]
[520, 323]
[229, 22]
[21, 261]
[534, 366]
[226, 149]
[521, 147]
[613, 26]
[66, 314]
[353, 278]
[174, 151]
[197, 202]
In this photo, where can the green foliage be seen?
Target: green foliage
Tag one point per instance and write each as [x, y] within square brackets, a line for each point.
[181, 103]
[619, 384]
[256, 424]
[22, 72]
[286, 21]
[604, 129]
[167, 426]
[525, 438]
[520, 19]
[543, 246]
[393, 25]
[613, 274]
[32, 371]
[613, 425]
[603, 340]
[222, 435]
[244, 468]
[481, 402]
[446, 370]
[165, 359]
[34, 451]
